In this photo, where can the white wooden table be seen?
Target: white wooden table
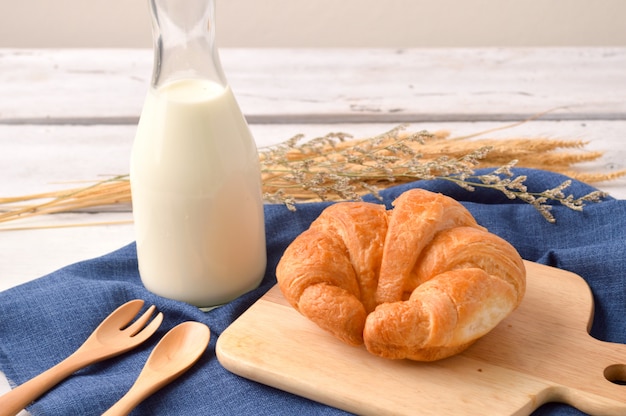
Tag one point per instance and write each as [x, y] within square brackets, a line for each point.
[70, 115]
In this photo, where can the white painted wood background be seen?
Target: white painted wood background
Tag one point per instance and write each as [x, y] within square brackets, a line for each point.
[329, 85]
[69, 115]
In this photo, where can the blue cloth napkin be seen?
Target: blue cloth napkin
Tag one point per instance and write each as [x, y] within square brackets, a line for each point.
[43, 321]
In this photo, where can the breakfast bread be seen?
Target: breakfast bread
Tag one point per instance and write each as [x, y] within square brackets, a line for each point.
[422, 281]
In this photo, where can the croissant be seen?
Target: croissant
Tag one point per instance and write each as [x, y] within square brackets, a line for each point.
[422, 281]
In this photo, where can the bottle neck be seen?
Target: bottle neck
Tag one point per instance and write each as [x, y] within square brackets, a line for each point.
[184, 41]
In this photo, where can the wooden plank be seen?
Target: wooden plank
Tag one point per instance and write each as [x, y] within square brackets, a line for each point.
[39, 158]
[329, 85]
[28, 254]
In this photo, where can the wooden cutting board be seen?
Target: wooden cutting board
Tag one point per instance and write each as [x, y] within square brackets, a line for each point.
[542, 352]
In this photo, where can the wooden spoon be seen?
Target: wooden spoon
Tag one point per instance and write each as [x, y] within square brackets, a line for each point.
[177, 351]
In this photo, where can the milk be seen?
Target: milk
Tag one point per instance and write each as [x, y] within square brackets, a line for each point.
[196, 193]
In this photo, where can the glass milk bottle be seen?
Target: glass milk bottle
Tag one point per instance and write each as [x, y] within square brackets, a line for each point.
[194, 174]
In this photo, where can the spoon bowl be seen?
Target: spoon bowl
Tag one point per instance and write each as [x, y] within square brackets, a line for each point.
[175, 353]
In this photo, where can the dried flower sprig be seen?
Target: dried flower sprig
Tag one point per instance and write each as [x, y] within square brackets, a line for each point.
[513, 187]
[338, 167]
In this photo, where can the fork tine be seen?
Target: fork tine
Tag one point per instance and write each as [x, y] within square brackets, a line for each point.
[140, 322]
[145, 333]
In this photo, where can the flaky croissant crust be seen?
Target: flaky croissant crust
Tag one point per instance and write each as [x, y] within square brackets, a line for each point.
[422, 281]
